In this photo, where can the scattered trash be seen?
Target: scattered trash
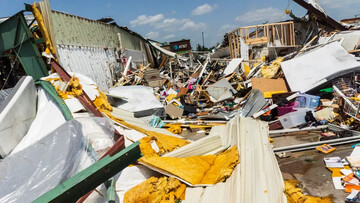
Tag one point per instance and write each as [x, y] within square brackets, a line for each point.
[326, 149]
[175, 124]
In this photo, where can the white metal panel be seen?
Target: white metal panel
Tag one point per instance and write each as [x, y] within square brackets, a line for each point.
[95, 63]
[316, 67]
[256, 179]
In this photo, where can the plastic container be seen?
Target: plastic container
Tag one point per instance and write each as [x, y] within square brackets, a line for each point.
[293, 119]
[286, 109]
[308, 101]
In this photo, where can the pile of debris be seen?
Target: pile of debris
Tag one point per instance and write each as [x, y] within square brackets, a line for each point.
[136, 122]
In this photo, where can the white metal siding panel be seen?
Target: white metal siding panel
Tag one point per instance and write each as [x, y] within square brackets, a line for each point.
[256, 179]
[96, 63]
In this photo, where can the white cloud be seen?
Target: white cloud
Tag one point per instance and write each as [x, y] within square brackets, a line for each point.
[169, 36]
[146, 20]
[206, 8]
[227, 28]
[332, 4]
[174, 25]
[340, 9]
[261, 15]
[152, 35]
[191, 25]
[167, 24]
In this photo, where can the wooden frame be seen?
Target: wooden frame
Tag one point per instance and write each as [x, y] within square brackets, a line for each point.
[273, 33]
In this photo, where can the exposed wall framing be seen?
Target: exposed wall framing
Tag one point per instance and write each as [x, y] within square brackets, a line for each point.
[275, 34]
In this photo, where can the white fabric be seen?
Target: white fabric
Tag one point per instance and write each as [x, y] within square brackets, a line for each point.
[48, 118]
[16, 114]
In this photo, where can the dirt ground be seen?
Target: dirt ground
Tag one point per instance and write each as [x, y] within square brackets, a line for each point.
[308, 166]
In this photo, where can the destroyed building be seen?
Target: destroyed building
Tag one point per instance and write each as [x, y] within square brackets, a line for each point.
[93, 112]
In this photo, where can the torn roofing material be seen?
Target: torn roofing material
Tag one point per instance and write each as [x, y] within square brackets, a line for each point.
[256, 179]
[324, 63]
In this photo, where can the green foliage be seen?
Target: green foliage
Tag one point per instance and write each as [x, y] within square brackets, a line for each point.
[202, 48]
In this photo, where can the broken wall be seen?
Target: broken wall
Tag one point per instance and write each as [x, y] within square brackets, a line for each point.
[88, 46]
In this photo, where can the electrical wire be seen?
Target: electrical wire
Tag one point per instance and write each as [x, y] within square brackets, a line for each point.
[277, 19]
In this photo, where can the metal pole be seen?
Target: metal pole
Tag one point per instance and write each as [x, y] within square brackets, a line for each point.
[313, 145]
[203, 39]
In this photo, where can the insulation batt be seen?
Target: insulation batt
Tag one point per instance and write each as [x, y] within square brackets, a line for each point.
[164, 142]
[295, 195]
[154, 189]
[209, 169]
[271, 70]
[74, 88]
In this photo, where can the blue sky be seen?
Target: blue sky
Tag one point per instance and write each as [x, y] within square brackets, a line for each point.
[171, 20]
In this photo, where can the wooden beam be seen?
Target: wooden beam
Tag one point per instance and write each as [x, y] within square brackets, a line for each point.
[321, 15]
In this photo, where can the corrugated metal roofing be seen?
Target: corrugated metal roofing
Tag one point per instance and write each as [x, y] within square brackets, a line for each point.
[256, 179]
[96, 63]
[78, 31]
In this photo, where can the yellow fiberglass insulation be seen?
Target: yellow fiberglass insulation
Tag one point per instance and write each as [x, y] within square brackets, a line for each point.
[223, 166]
[208, 169]
[165, 143]
[154, 189]
[271, 70]
[74, 88]
[294, 194]
[102, 103]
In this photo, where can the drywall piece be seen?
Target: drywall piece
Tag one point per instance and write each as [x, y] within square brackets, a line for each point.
[318, 66]
[74, 105]
[233, 65]
[138, 99]
[221, 90]
[174, 111]
[17, 112]
[350, 39]
[269, 85]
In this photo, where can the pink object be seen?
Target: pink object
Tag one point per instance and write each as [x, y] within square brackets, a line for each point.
[287, 109]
